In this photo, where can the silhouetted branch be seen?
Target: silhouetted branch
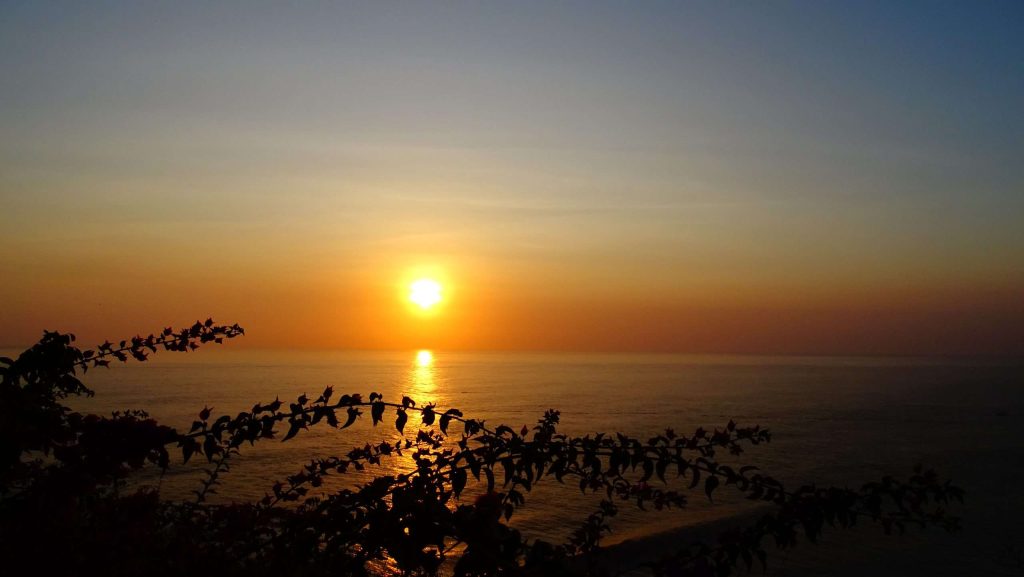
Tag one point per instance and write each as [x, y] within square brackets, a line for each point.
[60, 474]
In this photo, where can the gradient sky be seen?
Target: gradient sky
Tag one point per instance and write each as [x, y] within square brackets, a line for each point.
[712, 177]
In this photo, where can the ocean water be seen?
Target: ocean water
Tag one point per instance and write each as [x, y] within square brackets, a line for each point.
[835, 421]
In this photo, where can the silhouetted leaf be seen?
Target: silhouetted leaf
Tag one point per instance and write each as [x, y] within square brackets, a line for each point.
[293, 430]
[353, 413]
[490, 479]
[427, 415]
[648, 467]
[458, 481]
[332, 419]
[696, 477]
[400, 421]
[509, 469]
[377, 412]
[210, 447]
[187, 450]
[709, 486]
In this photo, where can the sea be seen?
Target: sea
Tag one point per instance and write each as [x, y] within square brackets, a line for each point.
[835, 421]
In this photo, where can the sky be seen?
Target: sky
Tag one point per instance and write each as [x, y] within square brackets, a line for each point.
[762, 177]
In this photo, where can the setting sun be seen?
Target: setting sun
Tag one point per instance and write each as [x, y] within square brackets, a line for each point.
[424, 358]
[425, 292]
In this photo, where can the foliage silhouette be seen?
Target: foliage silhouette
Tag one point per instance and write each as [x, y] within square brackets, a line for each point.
[65, 504]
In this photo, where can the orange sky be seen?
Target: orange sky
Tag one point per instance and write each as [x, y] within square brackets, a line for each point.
[674, 179]
[490, 306]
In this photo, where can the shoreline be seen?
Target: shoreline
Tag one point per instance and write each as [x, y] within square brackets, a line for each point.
[864, 549]
[629, 556]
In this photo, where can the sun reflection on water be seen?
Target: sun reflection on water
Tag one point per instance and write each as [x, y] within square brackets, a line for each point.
[421, 377]
[421, 386]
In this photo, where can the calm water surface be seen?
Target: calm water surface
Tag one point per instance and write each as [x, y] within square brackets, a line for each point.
[835, 420]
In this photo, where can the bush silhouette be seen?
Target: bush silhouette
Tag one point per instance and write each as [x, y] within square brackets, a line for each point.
[66, 505]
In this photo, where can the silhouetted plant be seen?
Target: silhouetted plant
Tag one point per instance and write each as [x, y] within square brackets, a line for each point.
[66, 506]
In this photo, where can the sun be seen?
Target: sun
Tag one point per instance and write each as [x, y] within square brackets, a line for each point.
[425, 293]
[424, 358]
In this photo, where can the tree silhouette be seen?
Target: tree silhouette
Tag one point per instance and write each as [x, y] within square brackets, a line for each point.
[66, 505]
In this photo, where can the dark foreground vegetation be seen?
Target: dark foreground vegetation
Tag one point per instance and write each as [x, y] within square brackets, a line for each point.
[67, 505]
